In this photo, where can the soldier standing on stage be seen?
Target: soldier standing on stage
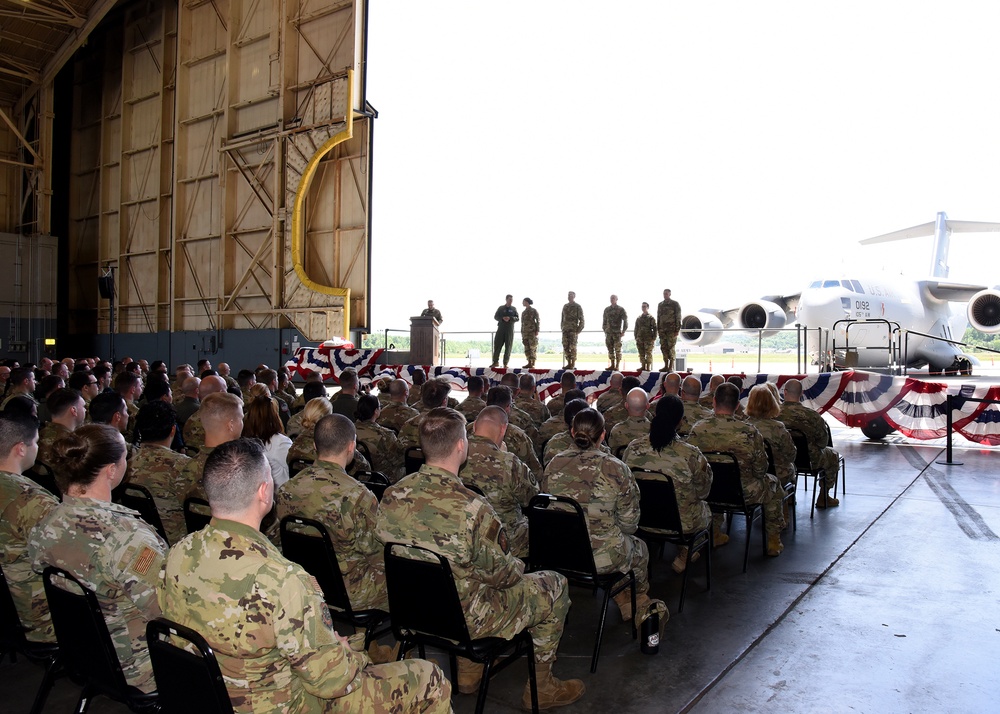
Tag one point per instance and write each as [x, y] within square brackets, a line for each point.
[529, 331]
[668, 324]
[571, 326]
[645, 338]
[615, 325]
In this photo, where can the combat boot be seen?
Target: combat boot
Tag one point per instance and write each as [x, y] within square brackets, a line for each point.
[469, 676]
[680, 562]
[552, 692]
[774, 544]
[719, 538]
[825, 500]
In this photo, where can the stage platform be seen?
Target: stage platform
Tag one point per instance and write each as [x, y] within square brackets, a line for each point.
[884, 604]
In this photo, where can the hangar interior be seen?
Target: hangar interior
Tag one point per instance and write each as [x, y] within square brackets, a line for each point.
[209, 158]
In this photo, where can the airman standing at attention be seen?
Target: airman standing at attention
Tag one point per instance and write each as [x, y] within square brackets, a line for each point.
[506, 315]
[530, 326]
[615, 326]
[571, 326]
[668, 324]
[432, 311]
[645, 338]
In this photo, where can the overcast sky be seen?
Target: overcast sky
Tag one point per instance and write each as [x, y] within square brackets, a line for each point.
[726, 150]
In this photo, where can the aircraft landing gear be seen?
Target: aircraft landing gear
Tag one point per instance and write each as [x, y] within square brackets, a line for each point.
[877, 429]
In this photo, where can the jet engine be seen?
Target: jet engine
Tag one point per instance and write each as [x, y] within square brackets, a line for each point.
[984, 311]
[762, 315]
[693, 328]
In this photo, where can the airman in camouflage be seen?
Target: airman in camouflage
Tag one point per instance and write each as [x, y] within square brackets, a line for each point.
[49, 434]
[576, 400]
[668, 325]
[567, 381]
[796, 415]
[194, 431]
[606, 490]
[530, 326]
[109, 549]
[432, 509]
[265, 616]
[416, 391]
[507, 483]
[724, 432]
[694, 412]
[383, 444]
[613, 395]
[23, 504]
[624, 433]
[571, 325]
[474, 403]
[518, 441]
[762, 410]
[527, 400]
[164, 473]
[432, 311]
[434, 394]
[645, 338]
[615, 325]
[325, 492]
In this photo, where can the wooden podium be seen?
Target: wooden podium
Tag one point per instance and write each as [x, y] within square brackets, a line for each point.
[425, 341]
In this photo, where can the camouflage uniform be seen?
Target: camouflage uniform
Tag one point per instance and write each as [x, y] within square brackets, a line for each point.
[571, 325]
[346, 405]
[624, 433]
[23, 504]
[687, 468]
[47, 436]
[432, 509]
[395, 414]
[562, 441]
[521, 445]
[29, 395]
[273, 636]
[432, 312]
[668, 324]
[533, 407]
[385, 448]
[727, 433]
[470, 408]
[193, 471]
[409, 435]
[693, 413]
[530, 326]
[304, 446]
[782, 447]
[118, 556]
[507, 483]
[414, 397]
[324, 492]
[614, 324]
[556, 405]
[796, 415]
[645, 338]
[606, 490]
[523, 421]
[194, 431]
[615, 416]
[610, 398]
[163, 472]
[133, 412]
[552, 426]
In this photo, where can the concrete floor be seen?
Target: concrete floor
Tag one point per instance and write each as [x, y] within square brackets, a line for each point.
[885, 604]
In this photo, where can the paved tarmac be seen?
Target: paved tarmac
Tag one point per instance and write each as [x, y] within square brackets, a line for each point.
[887, 603]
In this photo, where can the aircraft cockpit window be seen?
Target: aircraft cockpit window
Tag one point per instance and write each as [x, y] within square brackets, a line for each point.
[857, 286]
[831, 283]
[817, 284]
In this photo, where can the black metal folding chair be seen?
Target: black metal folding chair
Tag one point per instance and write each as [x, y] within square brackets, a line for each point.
[197, 513]
[138, 498]
[413, 459]
[187, 681]
[804, 467]
[727, 497]
[13, 641]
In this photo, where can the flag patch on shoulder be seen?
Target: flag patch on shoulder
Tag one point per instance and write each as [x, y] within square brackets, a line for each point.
[144, 560]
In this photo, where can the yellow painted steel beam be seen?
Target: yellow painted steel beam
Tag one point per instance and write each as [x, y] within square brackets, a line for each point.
[298, 208]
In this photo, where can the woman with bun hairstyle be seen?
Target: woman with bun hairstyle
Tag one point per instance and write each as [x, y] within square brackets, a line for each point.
[606, 490]
[105, 546]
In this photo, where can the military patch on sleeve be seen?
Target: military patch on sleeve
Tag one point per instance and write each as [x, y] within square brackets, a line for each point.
[502, 541]
[144, 560]
[316, 586]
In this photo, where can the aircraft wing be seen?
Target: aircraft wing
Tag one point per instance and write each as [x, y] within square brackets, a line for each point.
[944, 290]
[927, 229]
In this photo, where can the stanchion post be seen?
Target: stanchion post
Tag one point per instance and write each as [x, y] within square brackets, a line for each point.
[948, 451]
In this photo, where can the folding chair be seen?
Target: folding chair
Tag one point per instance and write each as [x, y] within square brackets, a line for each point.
[297, 465]
[427, 612]
[375, 481]
[660, 521]
[85, 645]
[841, 461]
[317, 555]
[413, 459]
[14, 642]
[138, 498]
[363, 449]
[44, 476]
[789, 489]
[186, 682]
[727, 497]
[804, 467]
[558, 540]
[197, 514]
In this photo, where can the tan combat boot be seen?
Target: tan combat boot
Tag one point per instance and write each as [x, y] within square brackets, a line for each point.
[469, 676]
[718, 537]
[774, 544]
[552, 692]
[825, 500]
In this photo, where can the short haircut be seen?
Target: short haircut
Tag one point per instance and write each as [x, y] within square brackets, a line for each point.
[636, 399]
[61, 400]
[20, 375]
[418, 376]
[494, 415]
[202, 363]
[333, 434]
[245, 378]
[126, 381]
[476, 384]
[663, 428]
[572, 408]
[348, 379]
[762, 404]
[398, 388]
[155, 420]
[315, 410]
[499, 396]
[509, 379]
[48, 384]
[233, 473]
[588, 425]
[435, 392]
[439, 431]
[16, 429]
[691, 386]
[568, 379]
[219, 408]
[630, 383]
[737, 380]
[103, 407]
[158, 365]
[101, 371]
[23, 405]
[367, 406]
[79, 379]
[574, 394]
[727, 396]
[793, 389]
[156, 389]
[80, 455]
[267, 377]
[312, 390]
[526, 382]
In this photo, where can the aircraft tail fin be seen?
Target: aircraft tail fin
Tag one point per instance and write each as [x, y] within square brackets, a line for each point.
[941, 229]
